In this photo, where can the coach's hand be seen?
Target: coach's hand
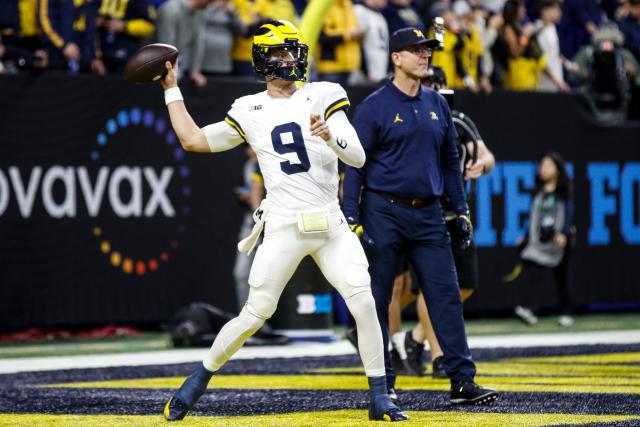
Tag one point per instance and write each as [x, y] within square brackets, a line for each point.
[465, 230]
[320, 128]
[171, 79]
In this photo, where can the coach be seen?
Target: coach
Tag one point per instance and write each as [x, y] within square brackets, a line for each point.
[412, 159]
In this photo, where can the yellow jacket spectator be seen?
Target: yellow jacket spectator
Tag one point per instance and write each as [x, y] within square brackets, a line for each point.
[462, 52]
[122, 26]
[338, 51]
[525, 60]
[446, 58]
[254, 13]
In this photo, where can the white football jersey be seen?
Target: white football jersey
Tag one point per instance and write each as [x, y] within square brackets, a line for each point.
[300, 172]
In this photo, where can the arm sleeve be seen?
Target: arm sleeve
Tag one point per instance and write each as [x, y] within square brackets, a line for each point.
[344, 141]
[56, 20]
[366, 129]
[335, 99]
[222, 137]
[450, 166]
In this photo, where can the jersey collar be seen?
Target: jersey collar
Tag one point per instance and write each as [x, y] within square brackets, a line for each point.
[400, 94]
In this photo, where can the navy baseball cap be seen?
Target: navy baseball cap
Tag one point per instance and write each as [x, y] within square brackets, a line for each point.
[405, 37]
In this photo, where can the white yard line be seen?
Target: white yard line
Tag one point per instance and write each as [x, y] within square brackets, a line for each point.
[337, 348]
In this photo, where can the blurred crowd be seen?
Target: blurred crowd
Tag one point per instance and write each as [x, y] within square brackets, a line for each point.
[522, 45]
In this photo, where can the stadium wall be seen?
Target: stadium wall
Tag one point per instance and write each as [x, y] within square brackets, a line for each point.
[103, 218]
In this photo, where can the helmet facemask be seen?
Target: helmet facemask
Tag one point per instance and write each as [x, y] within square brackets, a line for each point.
[279, 52]
[269, 65]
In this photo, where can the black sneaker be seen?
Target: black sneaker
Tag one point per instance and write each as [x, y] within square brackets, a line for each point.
[438, 371]
[470, 393]
[396, 362]
[414, 350]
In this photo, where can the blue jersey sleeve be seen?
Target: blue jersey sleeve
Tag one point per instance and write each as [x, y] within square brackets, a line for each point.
[365, 126]
[450, 165]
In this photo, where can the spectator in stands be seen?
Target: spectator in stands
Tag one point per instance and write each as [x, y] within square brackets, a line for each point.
[548, 241]
[470, 72]
[253, 14]
[215, 44]
[122, 27]
[69, 34]
[402, 14]
[181, 24]
[487, 24]
[580, 20]
[462, 51]
[20, 37]
[552, 80]
[630, 27]
[338, 54]
[447, 57]
[375, 44]
[525, 60]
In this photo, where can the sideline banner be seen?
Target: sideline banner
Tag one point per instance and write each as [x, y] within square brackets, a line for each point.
[103, 217]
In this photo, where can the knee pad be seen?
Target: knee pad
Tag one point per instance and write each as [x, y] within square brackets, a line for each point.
[361, 304]
[251, 321]
[261, 304]
[358, 280]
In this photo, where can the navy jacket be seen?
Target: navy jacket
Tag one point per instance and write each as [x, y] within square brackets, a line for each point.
[411, 150]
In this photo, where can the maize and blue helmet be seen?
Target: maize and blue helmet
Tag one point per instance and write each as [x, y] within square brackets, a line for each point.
[279, 35]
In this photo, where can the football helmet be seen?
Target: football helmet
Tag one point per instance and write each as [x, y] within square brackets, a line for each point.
[284, 36]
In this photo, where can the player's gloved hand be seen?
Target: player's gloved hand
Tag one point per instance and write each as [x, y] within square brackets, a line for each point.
[359, 231]
[465, 229]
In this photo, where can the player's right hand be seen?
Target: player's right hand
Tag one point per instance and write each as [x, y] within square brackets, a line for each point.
[171, 79]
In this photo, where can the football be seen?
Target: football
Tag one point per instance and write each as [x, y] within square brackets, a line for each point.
[147, 64]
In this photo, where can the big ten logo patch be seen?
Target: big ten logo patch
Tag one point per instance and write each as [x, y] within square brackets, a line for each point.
[314, 304]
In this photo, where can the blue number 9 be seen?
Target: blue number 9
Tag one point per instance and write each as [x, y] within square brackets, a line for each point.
[296, 147]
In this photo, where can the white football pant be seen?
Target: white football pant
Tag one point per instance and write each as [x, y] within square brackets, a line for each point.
[341, 259]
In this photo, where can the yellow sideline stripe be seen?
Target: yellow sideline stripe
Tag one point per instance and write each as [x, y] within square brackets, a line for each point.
[343, 418]
[582, 358]
[529, 369]
[358, 382]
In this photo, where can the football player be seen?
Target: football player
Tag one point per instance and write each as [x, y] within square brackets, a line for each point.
[298, 135]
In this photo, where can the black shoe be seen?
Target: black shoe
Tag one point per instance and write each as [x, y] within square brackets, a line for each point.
[396, 362]
[470, 393]
[414, 350]
[437, 366]
[393, 395]
[352, 335]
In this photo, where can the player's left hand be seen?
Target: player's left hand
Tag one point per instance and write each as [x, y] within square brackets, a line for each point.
[474, 170]
[319, 128]
[465, 230]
